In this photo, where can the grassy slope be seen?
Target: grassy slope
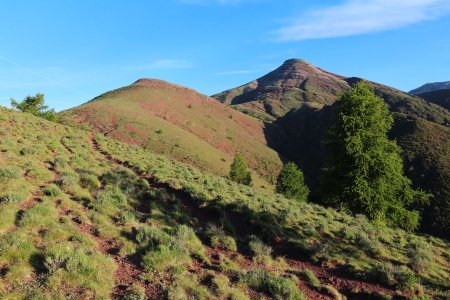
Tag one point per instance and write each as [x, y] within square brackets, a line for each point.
[77, 222]
[440, 97]
[426, 155]
[181, 123]
[324, 236]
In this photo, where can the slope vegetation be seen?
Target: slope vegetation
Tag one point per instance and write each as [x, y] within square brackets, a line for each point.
[439, 97]
[182, 123]
[301, 124]
[87, 217]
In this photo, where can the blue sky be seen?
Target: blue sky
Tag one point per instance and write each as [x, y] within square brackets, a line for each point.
[74, 50]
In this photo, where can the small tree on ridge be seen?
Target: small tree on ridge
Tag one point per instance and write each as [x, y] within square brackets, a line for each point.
[291, 183]
[239, 171]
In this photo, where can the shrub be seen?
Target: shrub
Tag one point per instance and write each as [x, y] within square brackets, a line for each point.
[399, 277]
[239, 171]
[421, 256]
[276, 286]
[218, 237]
[291, 184]
[258, 248]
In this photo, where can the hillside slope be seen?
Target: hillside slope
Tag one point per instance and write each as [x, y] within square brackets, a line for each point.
[297, 83]
[181, 123]
[439, 97]
[300, 129]
[87, 217]
[431, 87]
[293, 84]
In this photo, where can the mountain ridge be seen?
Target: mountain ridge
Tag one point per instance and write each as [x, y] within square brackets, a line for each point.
[431, 87]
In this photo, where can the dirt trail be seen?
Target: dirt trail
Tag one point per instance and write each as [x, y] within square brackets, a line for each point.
[128, 271]
[335, 277]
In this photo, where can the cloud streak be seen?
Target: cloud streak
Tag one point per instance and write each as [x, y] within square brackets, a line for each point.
[355, 17]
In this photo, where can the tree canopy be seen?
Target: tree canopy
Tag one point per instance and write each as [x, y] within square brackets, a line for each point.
[239, 171]
[365, 172]
[291, 183]
[35, 105]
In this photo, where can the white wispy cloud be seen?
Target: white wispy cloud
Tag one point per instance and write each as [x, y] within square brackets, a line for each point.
[167, 64]
[354, 17]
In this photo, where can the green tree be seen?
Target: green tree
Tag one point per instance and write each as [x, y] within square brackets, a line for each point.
[239, 171]
[35, 105]
[365, 172]
[291, 183]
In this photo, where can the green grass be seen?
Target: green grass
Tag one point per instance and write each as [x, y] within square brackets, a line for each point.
[325, 236]
[198, 130]
[63, 200]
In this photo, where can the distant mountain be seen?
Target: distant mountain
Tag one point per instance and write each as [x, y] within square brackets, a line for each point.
[298, 101]
[293, 84]
[297, 83]
[439, 97]
[181, 123]
[430, 87]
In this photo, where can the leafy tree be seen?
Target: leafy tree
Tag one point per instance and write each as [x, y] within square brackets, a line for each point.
[291, 183]
[239, 171]
[365, 172]
[35, 105]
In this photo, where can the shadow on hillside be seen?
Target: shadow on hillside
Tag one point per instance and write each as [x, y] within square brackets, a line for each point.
[298, 136]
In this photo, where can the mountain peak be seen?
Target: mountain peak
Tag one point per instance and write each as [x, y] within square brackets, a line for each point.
[295, 61]
[431, 87]
[159, 84]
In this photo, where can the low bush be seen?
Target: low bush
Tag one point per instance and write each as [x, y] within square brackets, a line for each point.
[276, 286]
[219, 238]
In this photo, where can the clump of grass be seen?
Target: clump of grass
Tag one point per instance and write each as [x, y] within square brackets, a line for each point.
[260, 251]
[276, 286]
[68, 180]
[89, 181]
[222, 288]
[9, 173]
[420, 255]
[399, 277]
[60, 162]
[52, 190]
[77, 267]
[370, 245]
[169, 251]
[219, 238]
[110, 198]
[334, 292]
[312, 278]
[134, 292]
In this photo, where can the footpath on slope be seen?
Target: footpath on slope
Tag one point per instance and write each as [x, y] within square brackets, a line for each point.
[128, 271]
[336, 277]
